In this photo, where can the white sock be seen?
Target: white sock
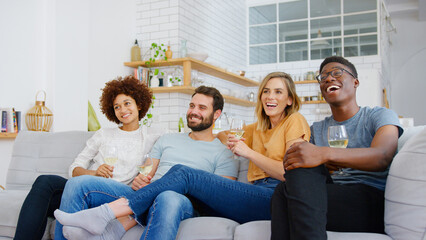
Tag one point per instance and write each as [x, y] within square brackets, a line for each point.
[94, 220]
[114, 230]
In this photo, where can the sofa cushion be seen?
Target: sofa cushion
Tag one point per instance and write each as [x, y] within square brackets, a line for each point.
[409, 133]
[10, 205]
[253, 231]
[356, 236]
[405, 195]
[206, 228]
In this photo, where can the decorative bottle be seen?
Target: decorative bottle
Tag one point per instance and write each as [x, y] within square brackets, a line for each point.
[136, 52]
[169, 53]
[181, 126]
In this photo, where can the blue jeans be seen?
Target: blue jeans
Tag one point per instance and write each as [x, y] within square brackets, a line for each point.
[231, 199]
[43, 198]
[162, 220]
[165, 214]
[238, 201]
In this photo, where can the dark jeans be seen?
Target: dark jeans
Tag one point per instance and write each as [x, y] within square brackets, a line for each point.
[308, 204]
[43, 198]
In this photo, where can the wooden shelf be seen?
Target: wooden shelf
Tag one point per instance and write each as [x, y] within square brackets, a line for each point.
[190, 90]
[175, 89]
[306, 82]
[8, 135]
[314, 102]
[194, 64]
[238, 101]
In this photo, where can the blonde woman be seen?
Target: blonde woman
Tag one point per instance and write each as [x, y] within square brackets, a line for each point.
[265, 144]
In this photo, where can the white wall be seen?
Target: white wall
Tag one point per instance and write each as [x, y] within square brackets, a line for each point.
[112, 33]
[67, 48]
[407, 67]
[35, 54]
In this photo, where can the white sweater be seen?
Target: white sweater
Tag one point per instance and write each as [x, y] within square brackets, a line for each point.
[131, 146]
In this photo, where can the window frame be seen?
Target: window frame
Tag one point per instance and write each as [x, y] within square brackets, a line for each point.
[309, 39]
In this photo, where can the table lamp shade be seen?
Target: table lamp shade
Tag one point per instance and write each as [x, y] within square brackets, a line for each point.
[39, 118]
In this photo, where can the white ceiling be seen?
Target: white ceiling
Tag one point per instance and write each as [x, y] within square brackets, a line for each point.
[398, 7]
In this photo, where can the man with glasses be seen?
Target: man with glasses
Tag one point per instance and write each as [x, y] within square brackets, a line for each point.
[310, 202]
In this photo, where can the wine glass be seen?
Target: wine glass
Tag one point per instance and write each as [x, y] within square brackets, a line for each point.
[146, 167]
[111, 155]
[237, 129]
[338, 138]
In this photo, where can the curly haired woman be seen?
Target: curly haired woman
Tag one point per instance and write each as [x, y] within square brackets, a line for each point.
[124, 101]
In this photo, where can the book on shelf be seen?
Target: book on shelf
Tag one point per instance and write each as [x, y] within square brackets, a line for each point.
[142, 74]
[10, 123]
[3, 121]
[18, 120]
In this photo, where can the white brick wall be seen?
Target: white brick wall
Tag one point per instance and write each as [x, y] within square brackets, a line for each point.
[217, 27]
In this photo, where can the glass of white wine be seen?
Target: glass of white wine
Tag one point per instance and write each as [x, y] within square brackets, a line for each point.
[146, 167]
[111, 155]
[237, 129]
[338, 138]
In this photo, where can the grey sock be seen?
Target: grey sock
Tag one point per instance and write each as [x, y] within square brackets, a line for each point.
[94, 220]
[114, 230]
[76, 233]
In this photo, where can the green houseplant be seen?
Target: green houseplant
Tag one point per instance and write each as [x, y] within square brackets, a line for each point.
[159, 54]
[147, 120]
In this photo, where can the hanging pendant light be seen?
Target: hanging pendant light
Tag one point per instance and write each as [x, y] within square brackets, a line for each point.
[321, 42]
[39, 118]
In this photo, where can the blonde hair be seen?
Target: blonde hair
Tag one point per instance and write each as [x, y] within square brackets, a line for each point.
[263, 121]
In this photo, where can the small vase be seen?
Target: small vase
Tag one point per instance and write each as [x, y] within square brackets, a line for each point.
[169, 53]
[155, 82]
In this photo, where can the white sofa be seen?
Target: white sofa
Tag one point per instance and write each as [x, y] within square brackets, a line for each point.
[36, 153]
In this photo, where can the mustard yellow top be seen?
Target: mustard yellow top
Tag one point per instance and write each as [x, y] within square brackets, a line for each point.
[272, 143]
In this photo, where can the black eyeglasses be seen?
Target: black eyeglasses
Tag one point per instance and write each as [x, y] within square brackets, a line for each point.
[336, 73]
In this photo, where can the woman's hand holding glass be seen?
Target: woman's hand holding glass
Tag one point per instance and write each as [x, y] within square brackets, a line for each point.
[237, 130]
[237, 146]
[105, 171]
[110, 159]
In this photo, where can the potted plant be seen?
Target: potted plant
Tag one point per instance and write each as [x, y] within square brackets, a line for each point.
[176, 81]
[158, 53]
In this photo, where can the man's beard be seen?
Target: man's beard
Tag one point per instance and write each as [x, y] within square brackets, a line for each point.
[205, 123]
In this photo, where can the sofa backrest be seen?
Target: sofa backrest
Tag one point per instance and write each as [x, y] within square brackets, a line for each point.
[37, 153]
[405, 194]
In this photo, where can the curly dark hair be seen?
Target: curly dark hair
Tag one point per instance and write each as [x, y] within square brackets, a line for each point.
[129, 86]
